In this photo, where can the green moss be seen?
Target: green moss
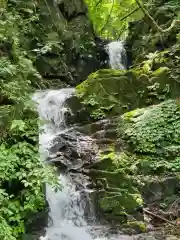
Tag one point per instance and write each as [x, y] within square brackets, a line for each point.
[135, 227]
[151, 141]
[121, 194]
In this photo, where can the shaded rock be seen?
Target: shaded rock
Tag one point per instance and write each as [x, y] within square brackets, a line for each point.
[160, 189]
[78, 114]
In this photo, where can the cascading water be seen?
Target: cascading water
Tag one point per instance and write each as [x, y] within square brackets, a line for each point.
[117, 55]
[51, 108]
[66, 217]
[67, 207]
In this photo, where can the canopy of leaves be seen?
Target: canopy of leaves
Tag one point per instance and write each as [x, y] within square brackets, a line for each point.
[110, 17]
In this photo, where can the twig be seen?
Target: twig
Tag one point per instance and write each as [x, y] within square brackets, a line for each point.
[98, 2]
[157, 216]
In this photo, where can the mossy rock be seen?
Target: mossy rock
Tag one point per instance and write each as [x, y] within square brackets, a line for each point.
[113, 92]
[120, 196]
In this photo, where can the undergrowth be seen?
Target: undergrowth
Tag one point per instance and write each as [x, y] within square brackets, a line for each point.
[22, 175]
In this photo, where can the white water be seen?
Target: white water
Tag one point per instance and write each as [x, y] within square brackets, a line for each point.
[117, 55]
[51, 108]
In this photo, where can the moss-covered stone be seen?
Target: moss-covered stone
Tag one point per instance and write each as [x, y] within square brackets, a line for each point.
[120, 196]
[113, 92]
[134, 227]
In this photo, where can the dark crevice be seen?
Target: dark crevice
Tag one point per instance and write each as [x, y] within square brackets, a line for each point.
[49, 77]
[66, 15]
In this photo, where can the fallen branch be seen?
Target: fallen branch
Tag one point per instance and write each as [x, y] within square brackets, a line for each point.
[157, 216]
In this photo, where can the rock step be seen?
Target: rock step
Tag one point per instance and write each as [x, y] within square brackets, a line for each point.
[106, 124]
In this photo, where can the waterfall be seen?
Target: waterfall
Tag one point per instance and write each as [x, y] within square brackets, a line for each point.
[66, 216]
[117, 55]
[67, 219]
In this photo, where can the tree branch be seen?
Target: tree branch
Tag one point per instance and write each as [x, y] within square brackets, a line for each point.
[152, 22]
[129, 14]
[107, 18]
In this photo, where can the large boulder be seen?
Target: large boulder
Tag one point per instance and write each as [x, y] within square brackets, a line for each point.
[113, 92]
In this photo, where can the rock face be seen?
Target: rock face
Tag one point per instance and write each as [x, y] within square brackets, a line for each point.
[62, 41]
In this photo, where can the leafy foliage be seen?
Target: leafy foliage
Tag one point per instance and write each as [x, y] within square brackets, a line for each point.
[154, 138]
[161, 132]
[22, 174]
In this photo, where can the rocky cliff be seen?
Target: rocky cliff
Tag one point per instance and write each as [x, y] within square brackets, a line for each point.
[59, 38]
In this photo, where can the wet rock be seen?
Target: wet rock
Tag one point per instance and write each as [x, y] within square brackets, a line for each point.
[35, 225]
[102, 125]
[73, 150]
[78, 114]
